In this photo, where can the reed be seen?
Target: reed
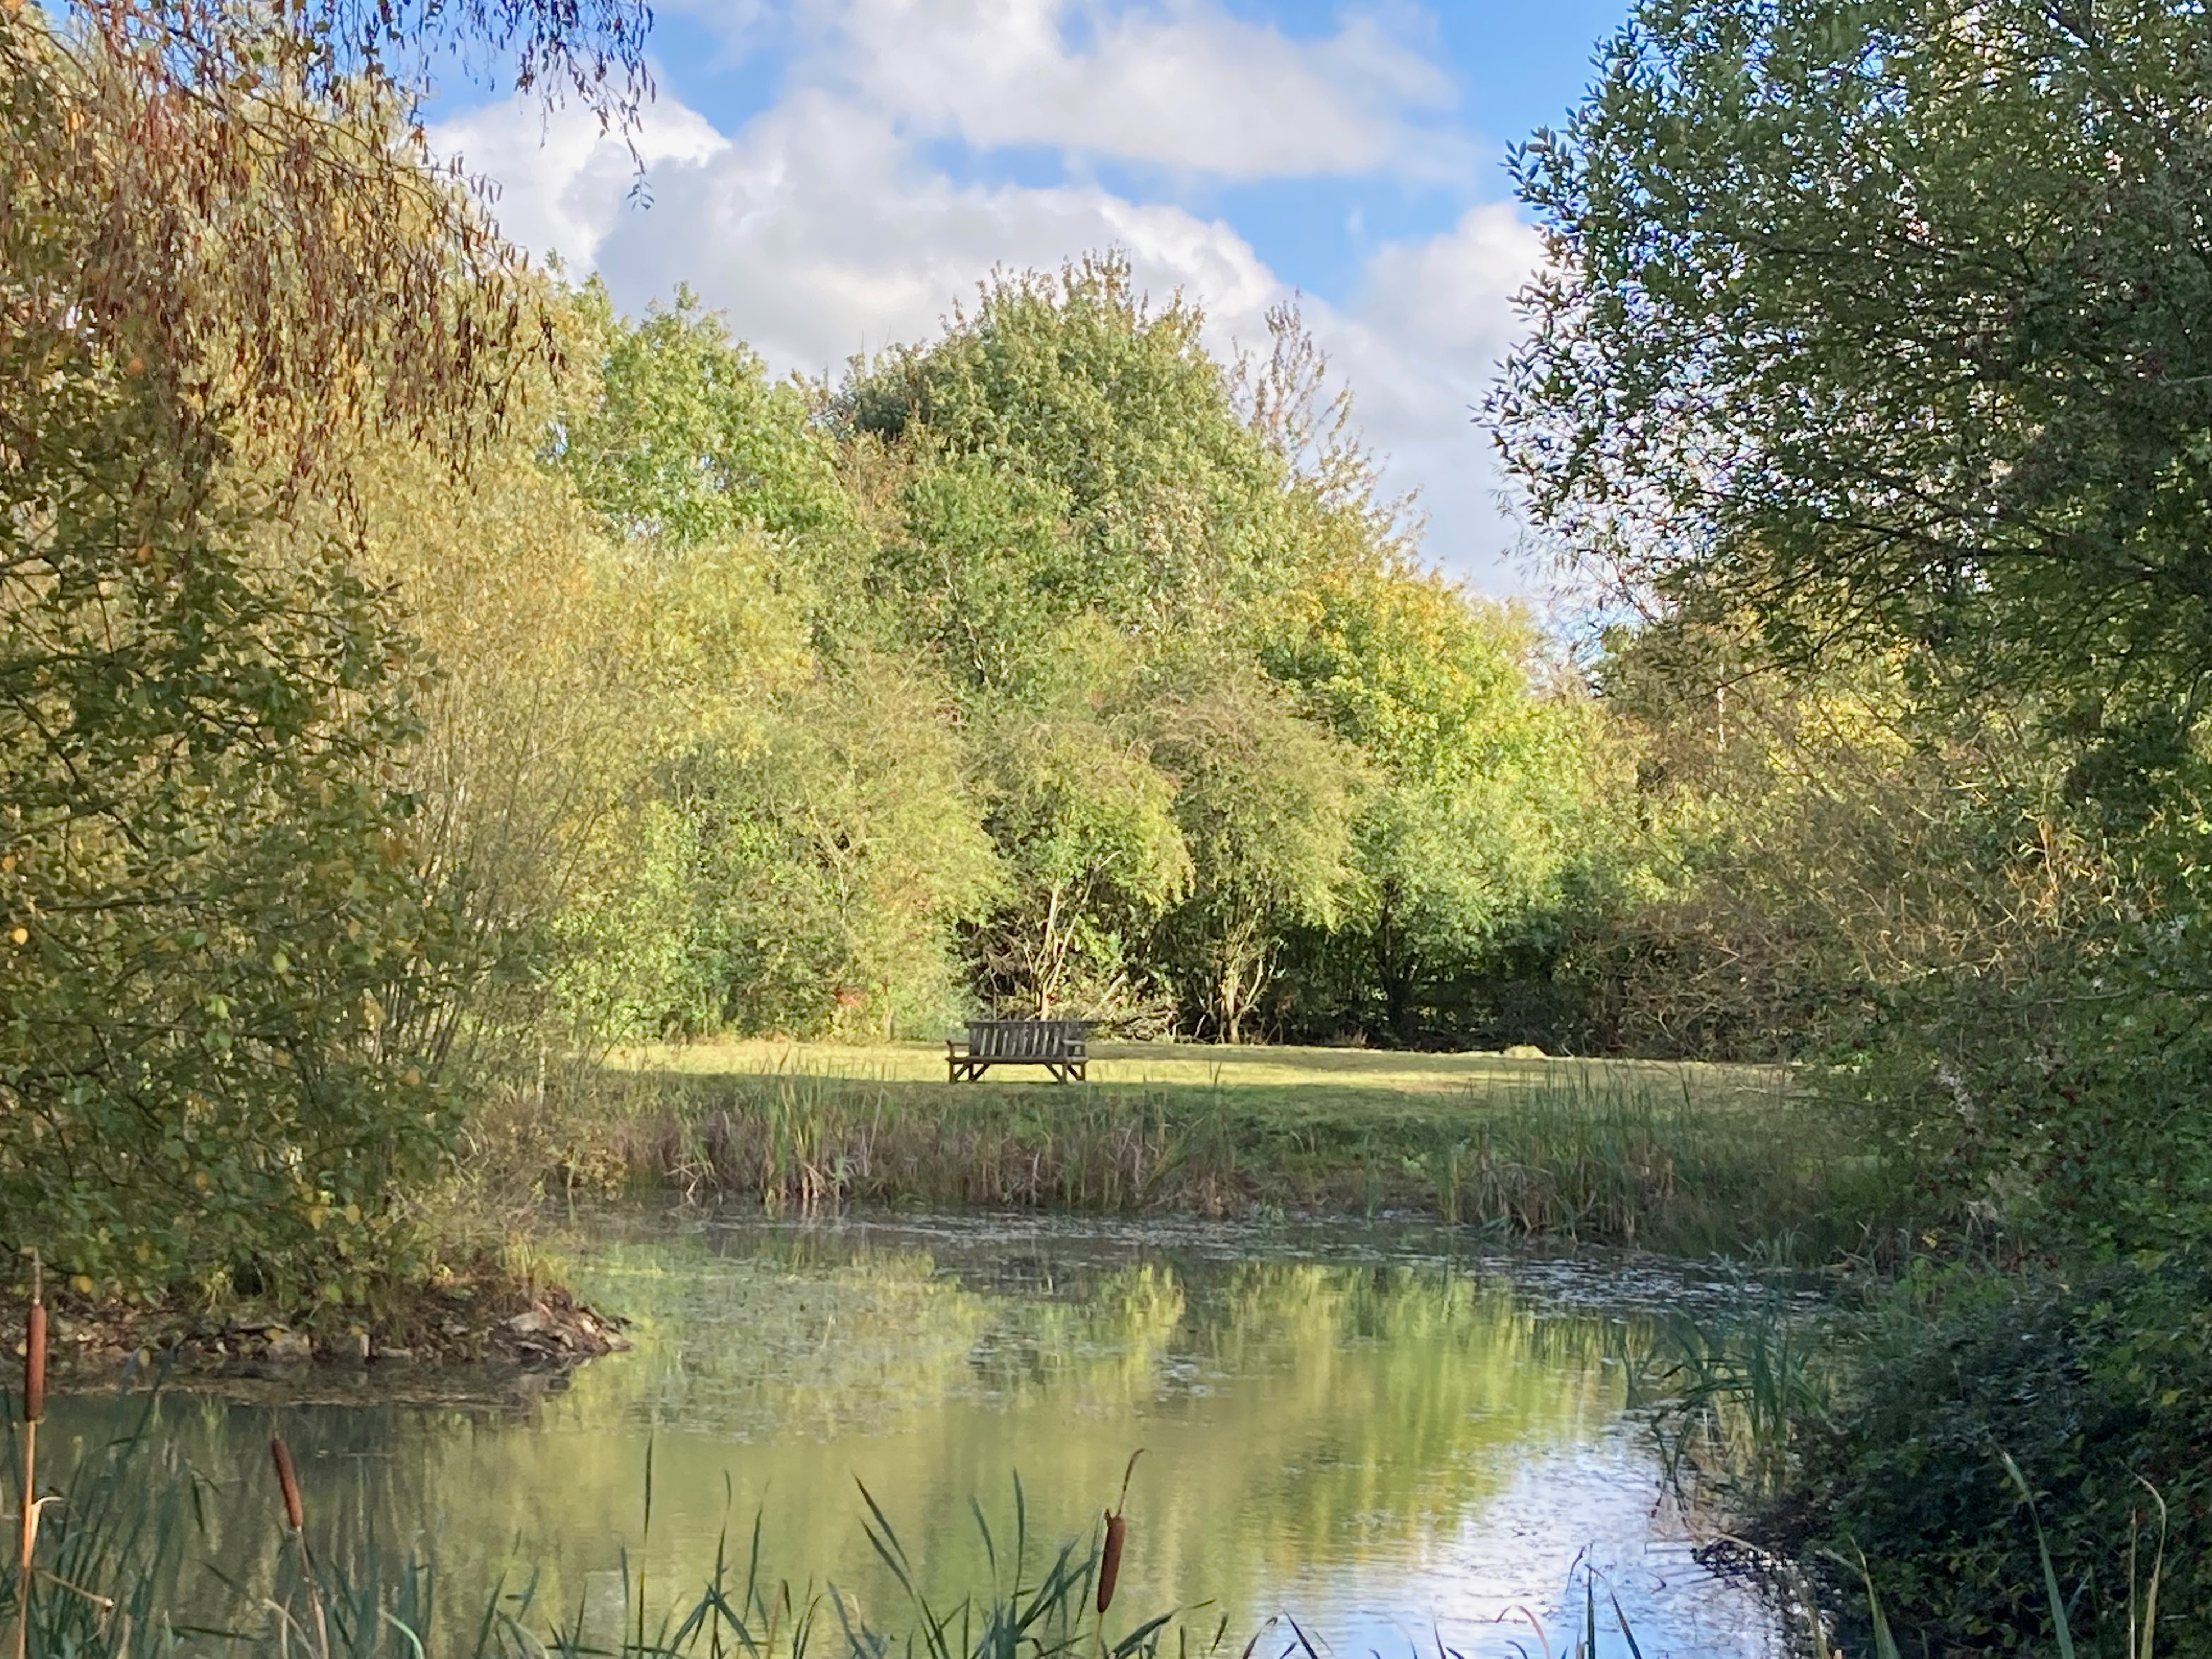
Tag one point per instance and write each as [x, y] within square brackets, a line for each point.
[34, 1407]
[295, 1523]
[1116, 1524]
[1606, 1158]
[1726, 1397]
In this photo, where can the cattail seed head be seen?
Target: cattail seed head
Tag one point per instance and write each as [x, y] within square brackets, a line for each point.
[34, 1365]
[288, 1483]
[1110, 1560]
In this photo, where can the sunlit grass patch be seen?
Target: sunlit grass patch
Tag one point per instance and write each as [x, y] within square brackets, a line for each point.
[1243, 1067]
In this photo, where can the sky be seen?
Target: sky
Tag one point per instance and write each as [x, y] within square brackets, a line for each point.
[834, 175]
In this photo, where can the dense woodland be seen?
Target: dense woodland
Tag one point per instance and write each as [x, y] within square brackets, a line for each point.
[414, 673]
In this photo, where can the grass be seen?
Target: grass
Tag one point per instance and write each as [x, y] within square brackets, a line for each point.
[1688, 1159]
[1283, 1074]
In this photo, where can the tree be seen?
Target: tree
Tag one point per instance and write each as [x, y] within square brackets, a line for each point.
[227, 985]
[1266, 800]
[835, 856]
[1093, 439]
[1087, 836]
[1884, 323]
[1487, 795]
[1873, 347]
[227, 990]
[676, 433]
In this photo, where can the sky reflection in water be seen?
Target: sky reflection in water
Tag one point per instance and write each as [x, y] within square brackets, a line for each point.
[1393, 1442]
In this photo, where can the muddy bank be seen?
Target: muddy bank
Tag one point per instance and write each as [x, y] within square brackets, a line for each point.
[464, 1322]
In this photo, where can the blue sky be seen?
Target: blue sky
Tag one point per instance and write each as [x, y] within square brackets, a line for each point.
[834, 174]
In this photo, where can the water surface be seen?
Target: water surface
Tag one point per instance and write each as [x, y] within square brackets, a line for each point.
[1394, 1437]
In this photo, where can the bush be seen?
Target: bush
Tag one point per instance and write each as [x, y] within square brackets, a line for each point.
[2094, 1386]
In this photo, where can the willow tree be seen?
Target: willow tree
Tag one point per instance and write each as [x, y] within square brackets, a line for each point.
[228, 981]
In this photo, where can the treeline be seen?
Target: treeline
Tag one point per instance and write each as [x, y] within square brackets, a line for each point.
[413, 675]
[1051, 667]
[416, 676]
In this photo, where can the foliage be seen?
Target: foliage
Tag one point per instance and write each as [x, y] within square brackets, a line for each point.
[1865, 362]
[232, 981]
[1867, 370]
[229, 992]
[415, 675]
[678, 434]
[1881, 323]
[1266, 800]
[1143, 586]
[2092, 1386]
[1487, 809]
[1093, 855]
[1104, 427]
[834, 857]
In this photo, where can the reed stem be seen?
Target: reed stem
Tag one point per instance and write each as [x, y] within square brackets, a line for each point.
[295, 1522]
[34, 1407]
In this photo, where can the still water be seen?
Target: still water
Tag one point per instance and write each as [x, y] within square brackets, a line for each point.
[1383, 1432]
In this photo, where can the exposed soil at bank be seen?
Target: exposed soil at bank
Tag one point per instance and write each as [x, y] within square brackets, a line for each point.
[466, 1321]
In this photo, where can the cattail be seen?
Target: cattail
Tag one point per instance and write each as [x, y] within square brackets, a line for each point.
[296, 1517]
[287, 1482]
[34, 1365]
[34, 1407]
[1117, 1535]
[1109, 1562]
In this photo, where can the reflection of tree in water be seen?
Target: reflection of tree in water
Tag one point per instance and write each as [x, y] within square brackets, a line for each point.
[1299, 1415]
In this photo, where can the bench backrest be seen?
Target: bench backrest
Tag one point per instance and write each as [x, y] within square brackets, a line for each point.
[1028, 1039]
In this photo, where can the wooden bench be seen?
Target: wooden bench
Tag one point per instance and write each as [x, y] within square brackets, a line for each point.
[1060, 1046]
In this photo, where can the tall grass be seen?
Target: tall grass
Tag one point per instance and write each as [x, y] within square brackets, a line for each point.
[1728, 1396]
[1604, 1159]
[119, 1576]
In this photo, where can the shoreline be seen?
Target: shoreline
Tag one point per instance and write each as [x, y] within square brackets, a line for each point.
[1683, 1162]
[470, 1322]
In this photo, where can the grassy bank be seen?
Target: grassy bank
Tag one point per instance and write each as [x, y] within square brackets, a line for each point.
[1691, 1158]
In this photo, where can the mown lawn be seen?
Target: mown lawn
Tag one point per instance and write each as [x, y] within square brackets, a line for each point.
[1296, 1078]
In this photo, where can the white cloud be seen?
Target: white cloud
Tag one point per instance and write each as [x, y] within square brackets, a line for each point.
[822, 231]
[1419, 344]
[1186, 86]
[821, 236]
[560, 182]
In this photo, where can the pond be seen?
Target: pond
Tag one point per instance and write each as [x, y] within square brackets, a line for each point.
[1382, 1430]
